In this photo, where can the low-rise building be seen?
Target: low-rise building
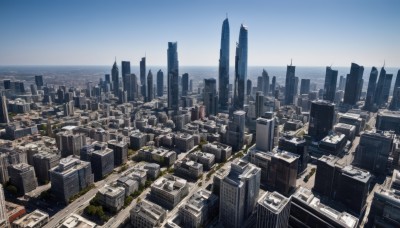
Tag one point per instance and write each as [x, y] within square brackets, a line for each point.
[188, 169]
[169, 190]
[129, 184]
[138, 140]
[36, 219]
[159, 155]
[184, 142]
[200, 209]
[111, 197]
[206, 159]
[147, 215]
[221, 151]
[43, 162]
[347, 129]
[77, 221]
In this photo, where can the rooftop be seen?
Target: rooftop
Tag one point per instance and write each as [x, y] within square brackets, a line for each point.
[356, 173]
[274, 201]
[346, 126]
[169, 183]
[334, 139]
[111, 191]
[77, 221]
[32, 219]
[343, 218]
[149, 211]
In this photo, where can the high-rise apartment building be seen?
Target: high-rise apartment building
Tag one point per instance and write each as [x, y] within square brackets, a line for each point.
[265, 134]
[185, 84]
[239, 193]
[223, 70]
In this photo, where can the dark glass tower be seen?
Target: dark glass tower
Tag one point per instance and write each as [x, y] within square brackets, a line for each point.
[39, 81]
[173, 76]
[353, 84]
[185, 84]
[290, 84]
[369, 100]
[379, 87]
[210, 96]
[241, 69]
[249, 86]
[330, 84]
[273, 85]
[223, 71]
[125, 69]
[115, 78]
[150, 87]
[160, 83]
[395, 103]
[321, 119]
[143, 77]
[265, 80]
[305, 86]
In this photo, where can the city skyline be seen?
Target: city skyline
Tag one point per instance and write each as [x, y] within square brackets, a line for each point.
[45, 33]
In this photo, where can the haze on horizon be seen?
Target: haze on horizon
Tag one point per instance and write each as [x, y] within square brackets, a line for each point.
[311, 32]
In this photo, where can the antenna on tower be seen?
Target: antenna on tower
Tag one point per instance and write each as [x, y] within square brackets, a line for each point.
[291, 60]
[383, 63]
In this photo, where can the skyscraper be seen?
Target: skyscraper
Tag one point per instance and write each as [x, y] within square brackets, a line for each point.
[249, 86]
[160, 83]
[39, 81]
[290, 84]
[150, 87]
[395, 103]
[223, 71]
[236, 129]
[305, 86]
[265, 134]
[115, 78]
[173, 73]
[353, 85]
[265, 81]
[342, 83]
[210, 96]
[260, 83]
[273, 211]
[259, 104]
[239, 193]
[386, 88]
[131, 86]
[321, 119]
[273, 85]
[143, 77]
[185, 84]
[369, 100]
[330, 84]
[4, 110]
[240, 69]
[125, 69]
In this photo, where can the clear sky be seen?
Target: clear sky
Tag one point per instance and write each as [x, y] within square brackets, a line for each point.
[92, 32]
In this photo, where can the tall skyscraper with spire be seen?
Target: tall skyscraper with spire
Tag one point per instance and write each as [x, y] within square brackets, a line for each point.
[290, 84]
[173, 76]
[150, 87]
[379, 87]
[143, 77]
[354, 83]
[115, 77]
[241, 69]
[223, 71]
[369, 100]
[125, 69]
[330, 84]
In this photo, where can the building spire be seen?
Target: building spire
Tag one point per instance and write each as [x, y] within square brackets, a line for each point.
[383, 64]
[291, 60]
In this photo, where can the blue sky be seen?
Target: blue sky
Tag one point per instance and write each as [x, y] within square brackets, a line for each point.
[92, 32]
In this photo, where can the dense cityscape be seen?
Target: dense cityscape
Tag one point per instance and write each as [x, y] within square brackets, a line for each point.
[166, 149]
